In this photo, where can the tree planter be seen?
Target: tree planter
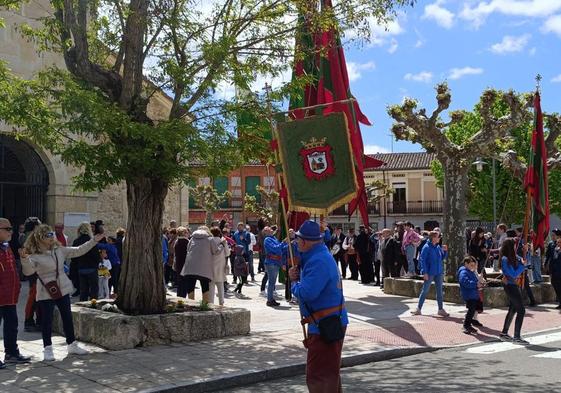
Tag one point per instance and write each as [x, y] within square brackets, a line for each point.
[492, 296]
[116, 331]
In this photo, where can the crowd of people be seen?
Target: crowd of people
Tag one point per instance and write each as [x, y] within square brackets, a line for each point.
[41, 255]
[312, 260]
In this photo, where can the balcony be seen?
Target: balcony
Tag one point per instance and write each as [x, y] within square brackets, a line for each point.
[414, 207]
[373, 210]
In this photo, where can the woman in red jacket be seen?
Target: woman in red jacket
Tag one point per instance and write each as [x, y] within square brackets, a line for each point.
[9, 293]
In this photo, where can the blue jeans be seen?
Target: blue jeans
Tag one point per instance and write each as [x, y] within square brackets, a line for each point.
[410, 254]
[426, 286]
[272, 271]
[537, 268]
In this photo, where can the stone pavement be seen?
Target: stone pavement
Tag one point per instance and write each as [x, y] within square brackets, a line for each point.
[381, 328]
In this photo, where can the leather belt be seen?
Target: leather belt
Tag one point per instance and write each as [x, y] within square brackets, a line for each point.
[321, 314]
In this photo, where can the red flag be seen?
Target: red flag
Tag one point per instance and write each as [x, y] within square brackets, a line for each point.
[329, 69]
[535, 180]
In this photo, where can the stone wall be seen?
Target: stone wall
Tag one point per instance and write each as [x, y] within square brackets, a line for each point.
[492, 296]
[109, 205]
[117, 331]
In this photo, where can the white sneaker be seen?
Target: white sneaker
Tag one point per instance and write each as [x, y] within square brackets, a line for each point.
[416, 312]
[48, 355]
[276, 295]
[75, 349]
[443, 313]
[263, 293]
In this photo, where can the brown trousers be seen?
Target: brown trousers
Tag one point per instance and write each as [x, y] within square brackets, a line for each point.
[323, 365]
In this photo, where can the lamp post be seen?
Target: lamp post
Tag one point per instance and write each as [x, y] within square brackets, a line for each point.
[479, 166]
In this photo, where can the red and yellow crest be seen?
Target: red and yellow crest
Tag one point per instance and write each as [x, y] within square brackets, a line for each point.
[317, 159]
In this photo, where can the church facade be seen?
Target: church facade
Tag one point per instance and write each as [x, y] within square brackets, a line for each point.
[34, 182]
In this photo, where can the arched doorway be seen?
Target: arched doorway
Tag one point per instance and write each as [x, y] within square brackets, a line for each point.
[24, 180]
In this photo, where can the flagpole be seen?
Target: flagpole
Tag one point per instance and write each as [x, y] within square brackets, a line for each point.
[307, 108]
[529, 190]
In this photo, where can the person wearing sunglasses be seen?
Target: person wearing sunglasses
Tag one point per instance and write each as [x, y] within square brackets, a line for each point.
[43, 254]
[9, 293]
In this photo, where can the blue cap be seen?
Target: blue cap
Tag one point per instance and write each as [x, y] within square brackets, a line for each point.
[309, 230]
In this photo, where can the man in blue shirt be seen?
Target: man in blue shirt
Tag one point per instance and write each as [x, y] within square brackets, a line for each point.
[318, 286]
[274, 257]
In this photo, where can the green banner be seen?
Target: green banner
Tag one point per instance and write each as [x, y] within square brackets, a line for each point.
[317, 163]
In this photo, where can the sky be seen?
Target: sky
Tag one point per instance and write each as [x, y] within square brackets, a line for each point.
[471, 44]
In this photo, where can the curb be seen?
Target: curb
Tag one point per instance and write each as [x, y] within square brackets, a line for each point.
[249, 377]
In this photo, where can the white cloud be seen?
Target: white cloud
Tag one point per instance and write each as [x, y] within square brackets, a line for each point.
[439, 14]
[553, 25]
[354, 70]
[457, 73]
[373, 149]
[477, 14]
[419, 43]
[393, 46]
[511, 44]
[423, 76]
[556, 79]
[532, 51]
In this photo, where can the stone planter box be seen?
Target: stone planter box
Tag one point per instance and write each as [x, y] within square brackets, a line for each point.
[492, 296]
[115, 331]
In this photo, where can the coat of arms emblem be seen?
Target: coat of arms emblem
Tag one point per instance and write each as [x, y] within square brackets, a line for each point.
[317, 159]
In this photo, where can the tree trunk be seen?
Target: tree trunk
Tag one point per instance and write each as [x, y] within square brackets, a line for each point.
[208, 218]
[455, 211]
[141, 285]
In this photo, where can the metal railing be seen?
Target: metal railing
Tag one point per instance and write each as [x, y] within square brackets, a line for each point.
[414, 207]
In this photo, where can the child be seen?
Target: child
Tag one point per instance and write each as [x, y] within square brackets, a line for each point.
[469, 288]
[104, 275]
[241, 269]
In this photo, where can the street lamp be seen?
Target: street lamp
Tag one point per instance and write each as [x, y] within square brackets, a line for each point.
[479, 166]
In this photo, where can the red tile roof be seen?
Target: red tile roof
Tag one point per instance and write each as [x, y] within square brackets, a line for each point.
[404, 161]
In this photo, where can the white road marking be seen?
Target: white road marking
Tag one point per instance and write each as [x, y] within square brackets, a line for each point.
[549, 355]
[506, 346]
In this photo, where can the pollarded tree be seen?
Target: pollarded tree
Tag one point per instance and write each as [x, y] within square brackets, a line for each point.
[456, 156]
[118, 55]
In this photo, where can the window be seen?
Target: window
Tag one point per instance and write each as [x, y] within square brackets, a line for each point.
[251, 183]
[192, 202]
[221, 186]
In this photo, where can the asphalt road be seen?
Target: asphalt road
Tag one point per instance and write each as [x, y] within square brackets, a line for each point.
[492, 367]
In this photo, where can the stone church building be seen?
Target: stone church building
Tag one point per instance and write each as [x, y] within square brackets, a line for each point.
[34, 182]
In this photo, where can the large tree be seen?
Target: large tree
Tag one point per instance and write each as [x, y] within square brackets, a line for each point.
[118, 55]
[456, 150]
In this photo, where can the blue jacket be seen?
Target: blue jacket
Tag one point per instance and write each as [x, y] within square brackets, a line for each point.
[511, 273]
[468, 284]
[243, 239]
[320, 285]
[431, 259]
[165, 252]
[112, 252]
[327, 236]
[275, 251]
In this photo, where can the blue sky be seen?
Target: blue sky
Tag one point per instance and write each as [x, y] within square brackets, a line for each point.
[472, 44]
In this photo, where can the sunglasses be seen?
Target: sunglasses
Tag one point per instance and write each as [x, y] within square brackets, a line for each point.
[49, 235]
[8, 229]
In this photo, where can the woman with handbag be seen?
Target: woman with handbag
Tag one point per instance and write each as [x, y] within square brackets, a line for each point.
[42, 254]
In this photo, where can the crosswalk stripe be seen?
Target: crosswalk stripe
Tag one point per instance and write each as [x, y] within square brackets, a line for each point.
[549, 355]
[506, 346]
